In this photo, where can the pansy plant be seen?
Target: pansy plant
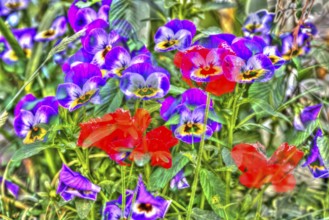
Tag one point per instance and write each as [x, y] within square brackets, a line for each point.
[175, 35]
[144, 81]
[81, 86]
[258, 23]
[57, 29]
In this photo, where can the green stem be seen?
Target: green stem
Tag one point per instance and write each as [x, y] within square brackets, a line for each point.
[198, 164]
[50, 160]
[11, 40]
[259, 204]
[123, 191]
[61, 155]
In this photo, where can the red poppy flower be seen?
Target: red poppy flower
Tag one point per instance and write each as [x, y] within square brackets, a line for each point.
[115, 133]
[156, 147]
[257, 170]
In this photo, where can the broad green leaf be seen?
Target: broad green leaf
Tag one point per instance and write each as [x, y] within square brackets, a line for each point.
[245, 137]
[199, 214]
[173, 120]
[227, 158]
[219, 4]
[83, 207]
[116, 102]
[255, 5]
[29, 150]
[214, 190]
[152, 106]
[299, 137]
[323, 145]
[161, 176]
[216, 117]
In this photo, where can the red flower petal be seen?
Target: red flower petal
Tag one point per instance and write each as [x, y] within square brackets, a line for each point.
[220, 86]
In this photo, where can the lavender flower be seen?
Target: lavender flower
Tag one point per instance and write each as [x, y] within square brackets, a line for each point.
[30, 113]
[179, 181]
[81, 87]
[258, 23]
[57, 29]
[308, 115]
[11, 187]
[73, 184]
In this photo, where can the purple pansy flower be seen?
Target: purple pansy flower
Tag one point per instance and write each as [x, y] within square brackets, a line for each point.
[190, 108]
[291, 48]
[98, 42]
[81, 87]
[119, 59]
[30, 113]
[314, 161]
[176, 34]
[145, 207]
[215, 40]
[145, 81]
[258, 23]
[25, 39]
[8, 6]
[73, 184]
[258, 68]
[81, 56]
[57, 29]
[273, 53]
[179, 181]
[308, 114]
[11, 187]
[80, 18]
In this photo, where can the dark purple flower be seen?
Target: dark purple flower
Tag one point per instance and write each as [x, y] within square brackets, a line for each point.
[258, 23]
[246, 48]
[73, 184]
[273, 53]
[118, 59]
[145, 207]
[145, 81]
[179, 181]
[8, 6]
[25, 39]
[190, 108]
[80, 18]
[30, 113]
[57, 29]
[291, 48]
[98, 42]
[314, 161]
[11, 187]
[81, 56]
[214, 41]
[308, 115]
[175, 35]
[81, 86]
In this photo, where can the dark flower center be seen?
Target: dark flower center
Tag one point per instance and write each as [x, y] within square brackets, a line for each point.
[170, 43]
[13, 5]
[191, 127]
[106, 50]
[145, 207]
[84, 98]
[49, 33]
[209, 70]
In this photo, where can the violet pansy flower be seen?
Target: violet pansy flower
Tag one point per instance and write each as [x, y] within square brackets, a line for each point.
[98, 42]
[145, 81]
[57, 29]
[190, 108]
[291, 48]
[80, 18]
[314, 161]
[179, 181]
[80, 56]
[175, 35]
[307, 115]
[119, 59]
[145, 207]
[30, 113]
[11, 187]
[81, 86]
[73, 184]
[8, 6]
[25, 39]
[258, 23]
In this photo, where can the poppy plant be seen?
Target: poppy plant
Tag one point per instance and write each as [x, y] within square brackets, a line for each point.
[258, 170]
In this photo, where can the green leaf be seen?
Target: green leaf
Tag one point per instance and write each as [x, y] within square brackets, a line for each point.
[116, 102]
[255, 5]
[112, 97]
[176, 90]
[83, 207]
[219, 4]
[173, 120]
[152, 106]
[214, 190]
[29, 150]
[299, 137]
[323, 145]
[245, 137]
[82, 4]
[216, 117]
[199, 214]
[227, 158]
[3, 118]
[161, 176]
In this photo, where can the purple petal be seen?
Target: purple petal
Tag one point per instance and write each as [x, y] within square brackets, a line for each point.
[67, 93]
[194, 97]
[50, 101]
[117, 60]
[177, 25]
[112, 211]
[23, 123]
[83, 17]
[11, 187]
[44, 115]
[27, 103]
[179, 181]
[81, 73]
[168, 107]
[310, 113]
[245, 48]
[95, 41]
